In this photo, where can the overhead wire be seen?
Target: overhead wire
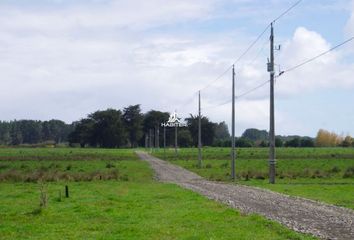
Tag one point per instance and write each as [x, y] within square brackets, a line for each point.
[288, 70]
[246, 51]
[252, 44]
[316, 57]
[240, 95]
[288, 10]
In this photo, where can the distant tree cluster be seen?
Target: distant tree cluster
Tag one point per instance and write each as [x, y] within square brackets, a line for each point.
[132, 128]
[33, 132]
[325, 138]
[253, 137]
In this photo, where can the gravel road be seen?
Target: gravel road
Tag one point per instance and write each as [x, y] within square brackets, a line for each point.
[302, 215]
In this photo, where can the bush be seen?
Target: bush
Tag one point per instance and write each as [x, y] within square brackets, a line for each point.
[4, 166]
[110, 165]
[349, 173]
[208, 165]
[224, 165]
[335, 169]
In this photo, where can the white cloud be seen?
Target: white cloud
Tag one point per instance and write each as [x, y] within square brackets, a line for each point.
[350, 24]
[66, 61]
[134, 14]
[329, 70]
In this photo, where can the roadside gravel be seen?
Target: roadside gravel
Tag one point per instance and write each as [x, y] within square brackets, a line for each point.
[302, 215]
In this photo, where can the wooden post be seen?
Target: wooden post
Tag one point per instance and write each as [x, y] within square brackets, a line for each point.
[66, 191]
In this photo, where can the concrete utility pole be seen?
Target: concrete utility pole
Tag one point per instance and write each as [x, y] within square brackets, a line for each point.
[157, 140]
[164, 142]
[233, 153]
[146, 141]
[150, 140]
[176, 141]
[199, 134]
[272, 161]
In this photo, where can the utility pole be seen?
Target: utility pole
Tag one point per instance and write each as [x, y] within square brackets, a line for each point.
[272, 161]
[233, 153]
[146, 141]
[150, 140]
[176, 153]
[199, 134]
[164, 142]
[157, 140]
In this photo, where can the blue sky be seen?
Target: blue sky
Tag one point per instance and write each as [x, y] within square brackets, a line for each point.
[66, 58]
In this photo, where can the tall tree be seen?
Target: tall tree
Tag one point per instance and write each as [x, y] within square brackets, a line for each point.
[222, 131]
[82, 133]
[55, 130]
[325, 138]
[254, 134]
[208, 130]
[108, 128]
[184, 138]
[153, 120]
[5, 137]
[133, 122]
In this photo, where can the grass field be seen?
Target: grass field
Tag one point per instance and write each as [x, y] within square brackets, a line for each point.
[128, 206]
[324, 174]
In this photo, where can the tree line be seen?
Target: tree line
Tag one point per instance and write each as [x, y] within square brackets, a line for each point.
[259, 138]
[34, 132]
[130, 127]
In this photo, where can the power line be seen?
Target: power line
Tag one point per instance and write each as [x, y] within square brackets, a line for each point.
[288, 10]
[316, 57]
[238, 59]
[218, 105]
[252, 90]
[295, 67]
[288, 70]
[239, 96]
[251, 45]
[245, 52]
[216, 79]
[253, 60]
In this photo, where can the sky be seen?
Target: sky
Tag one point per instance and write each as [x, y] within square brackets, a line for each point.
[64, 59]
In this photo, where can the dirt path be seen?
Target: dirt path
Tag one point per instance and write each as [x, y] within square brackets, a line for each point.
[302, 215]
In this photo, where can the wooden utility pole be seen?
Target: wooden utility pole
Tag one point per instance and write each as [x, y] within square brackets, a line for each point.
[272, 160]
[233, 153]
[199, 134]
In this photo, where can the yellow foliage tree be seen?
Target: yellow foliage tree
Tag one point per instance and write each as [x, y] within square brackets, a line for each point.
[325, 138]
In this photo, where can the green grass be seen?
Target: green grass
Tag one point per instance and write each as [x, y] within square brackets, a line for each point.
[68, 164]
[324, 174]
[24, 154]
[116, 210]
[135, 207]
[332, 191]
[262, 153]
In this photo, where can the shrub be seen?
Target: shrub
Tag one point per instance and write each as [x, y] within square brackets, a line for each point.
[319, 174]
[43, 197]
[110, 165]
[208, 165]
[224, 165]
[3, 166]
[349, 172]
[335, 169]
